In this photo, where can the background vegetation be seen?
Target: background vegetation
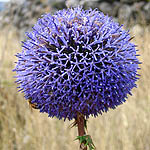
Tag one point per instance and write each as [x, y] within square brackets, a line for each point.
[21, 128]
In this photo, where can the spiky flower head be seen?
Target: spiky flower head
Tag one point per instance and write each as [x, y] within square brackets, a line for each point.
[77, 61]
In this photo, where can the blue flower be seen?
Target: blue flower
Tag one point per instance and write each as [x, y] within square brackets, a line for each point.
[77, 61]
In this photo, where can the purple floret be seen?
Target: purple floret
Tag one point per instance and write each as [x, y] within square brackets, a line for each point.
[77, 61]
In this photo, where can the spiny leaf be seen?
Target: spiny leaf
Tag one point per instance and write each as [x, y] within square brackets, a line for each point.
[87, 141]
[74, 124]
[85, 124]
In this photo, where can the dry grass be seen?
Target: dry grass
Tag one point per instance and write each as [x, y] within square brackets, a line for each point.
[126, 128]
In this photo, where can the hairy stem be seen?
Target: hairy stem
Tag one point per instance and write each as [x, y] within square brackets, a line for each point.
[81, 128]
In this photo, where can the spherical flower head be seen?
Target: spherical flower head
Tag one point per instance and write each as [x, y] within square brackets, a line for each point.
[77, 61]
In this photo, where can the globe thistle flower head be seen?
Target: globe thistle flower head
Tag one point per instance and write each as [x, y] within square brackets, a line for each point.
[77, 61]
